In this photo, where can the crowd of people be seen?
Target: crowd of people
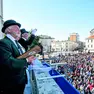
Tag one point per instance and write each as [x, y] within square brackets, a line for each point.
[57, 59]
[79, 71]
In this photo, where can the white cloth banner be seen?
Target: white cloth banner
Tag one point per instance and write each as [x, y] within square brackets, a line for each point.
[37, 65]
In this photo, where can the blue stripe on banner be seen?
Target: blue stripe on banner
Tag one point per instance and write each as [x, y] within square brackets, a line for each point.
[65, 86]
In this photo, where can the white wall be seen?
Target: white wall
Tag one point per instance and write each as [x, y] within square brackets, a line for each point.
[64, 45]
[46, 44]
[89, 45]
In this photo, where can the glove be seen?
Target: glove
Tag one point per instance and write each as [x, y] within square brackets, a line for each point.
[34, 31]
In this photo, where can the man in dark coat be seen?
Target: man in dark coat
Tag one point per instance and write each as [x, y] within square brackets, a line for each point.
[25, 40]
[12, 70]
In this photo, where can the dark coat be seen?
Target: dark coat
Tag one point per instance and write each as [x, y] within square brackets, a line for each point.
[26, 43]
[12, 70]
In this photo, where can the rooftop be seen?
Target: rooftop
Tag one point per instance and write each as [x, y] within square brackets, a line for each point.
[91, 37]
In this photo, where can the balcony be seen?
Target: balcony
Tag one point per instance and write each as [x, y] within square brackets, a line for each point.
[46, 80]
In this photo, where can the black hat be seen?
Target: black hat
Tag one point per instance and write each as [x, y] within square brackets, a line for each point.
[9, 23]
[23, 31]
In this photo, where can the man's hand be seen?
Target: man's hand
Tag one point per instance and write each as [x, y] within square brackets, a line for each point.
[30, 59]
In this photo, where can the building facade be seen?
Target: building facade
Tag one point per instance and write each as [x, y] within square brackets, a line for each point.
[56, 46]
[67, 45]
[46, 42]
[74, 37]
[89, 42]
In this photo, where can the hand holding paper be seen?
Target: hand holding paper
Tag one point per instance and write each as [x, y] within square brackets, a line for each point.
[34, 31]
[30, 59]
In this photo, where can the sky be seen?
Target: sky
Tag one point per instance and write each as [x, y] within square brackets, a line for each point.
[55, 18]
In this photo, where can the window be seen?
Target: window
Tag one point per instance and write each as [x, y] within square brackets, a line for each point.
[66, 43]
[88, 40]
[91, 40]
[88, 46]
[91, 46]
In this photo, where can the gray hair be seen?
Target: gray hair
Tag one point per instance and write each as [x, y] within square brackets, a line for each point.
[7, 29]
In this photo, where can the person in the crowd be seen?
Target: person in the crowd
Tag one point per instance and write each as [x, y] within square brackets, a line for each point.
[12, 70]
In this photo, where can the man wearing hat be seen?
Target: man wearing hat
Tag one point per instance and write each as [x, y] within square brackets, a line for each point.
[12, 70]
[25, 40]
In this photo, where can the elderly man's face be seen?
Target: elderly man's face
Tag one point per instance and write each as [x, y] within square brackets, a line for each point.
[15, 31]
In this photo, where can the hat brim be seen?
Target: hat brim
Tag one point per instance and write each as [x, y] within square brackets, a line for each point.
[24, 31]
[3, 29]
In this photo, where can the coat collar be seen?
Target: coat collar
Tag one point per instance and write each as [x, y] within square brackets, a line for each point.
[13, 46]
